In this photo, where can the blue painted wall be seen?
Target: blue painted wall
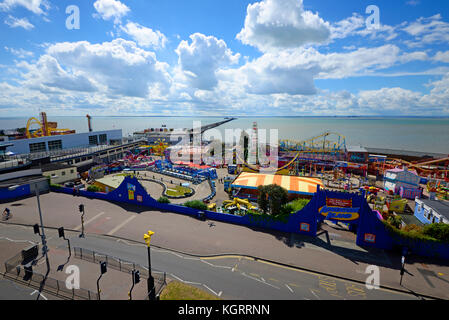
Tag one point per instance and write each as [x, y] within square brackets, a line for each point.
[367, 223]
[22, 191]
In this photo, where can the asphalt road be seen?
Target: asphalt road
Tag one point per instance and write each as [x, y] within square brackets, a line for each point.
[231, 277]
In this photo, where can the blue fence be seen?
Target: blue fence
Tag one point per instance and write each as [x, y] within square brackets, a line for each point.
[371, 232]
[22, 191]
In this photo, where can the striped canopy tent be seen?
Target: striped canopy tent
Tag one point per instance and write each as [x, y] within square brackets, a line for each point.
[294, 185]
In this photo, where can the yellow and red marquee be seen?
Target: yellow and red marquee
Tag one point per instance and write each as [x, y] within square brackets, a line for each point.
[295, 185]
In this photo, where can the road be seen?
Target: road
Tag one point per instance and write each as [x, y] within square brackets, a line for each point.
[229, 277]
[338, 256]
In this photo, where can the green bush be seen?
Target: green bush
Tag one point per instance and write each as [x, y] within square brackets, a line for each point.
[298, 205]
[395, 221]
[196, 204]
[93, 189]
[439, 231]
[57, 186]
[410, 236]
[163, 200]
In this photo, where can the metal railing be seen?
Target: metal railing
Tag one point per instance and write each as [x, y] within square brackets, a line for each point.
[160, 278]
[14, 271]
[9, 162]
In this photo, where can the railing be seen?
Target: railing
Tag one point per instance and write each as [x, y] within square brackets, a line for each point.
[15, 272]
[160, 279]
[9, 162]
[58, 155]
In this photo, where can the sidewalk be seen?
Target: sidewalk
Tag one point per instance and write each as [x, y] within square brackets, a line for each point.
[114, 284]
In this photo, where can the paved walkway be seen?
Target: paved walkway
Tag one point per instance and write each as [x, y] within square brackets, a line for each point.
[340, 257]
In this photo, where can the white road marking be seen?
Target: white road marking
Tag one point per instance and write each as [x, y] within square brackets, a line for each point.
[179, 279]
[90, 220]
[217, 294]
[315, 295]
[213, 265]
[289, 288]
[12, 240]
[120, 225]
[268, 284]
[40, 294]
[131, 244]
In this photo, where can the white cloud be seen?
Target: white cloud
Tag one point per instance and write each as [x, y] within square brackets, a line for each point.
[347, 27]
[47, 75]
[277, 24]
[276, 72]
[18, 23]
[118, 68]
[200, 59]
[111, 9]
[20, 53]
[442, 56]
[31, 5]
[145, 37]
[414, 56]
[428, 31]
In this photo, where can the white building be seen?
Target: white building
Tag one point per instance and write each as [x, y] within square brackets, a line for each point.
[62, 142]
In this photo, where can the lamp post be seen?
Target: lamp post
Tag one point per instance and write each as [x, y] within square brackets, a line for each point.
[42, 234]
[150, 282]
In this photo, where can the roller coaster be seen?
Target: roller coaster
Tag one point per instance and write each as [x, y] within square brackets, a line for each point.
[325, 143]
[326, 146]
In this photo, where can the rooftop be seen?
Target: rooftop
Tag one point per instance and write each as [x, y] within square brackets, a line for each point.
[356, 149]
[111, 181]
[53, 166]
[295, 185]
[442, 207]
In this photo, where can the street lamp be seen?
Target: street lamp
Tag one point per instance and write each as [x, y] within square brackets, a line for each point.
[44, 240]
[150, 282]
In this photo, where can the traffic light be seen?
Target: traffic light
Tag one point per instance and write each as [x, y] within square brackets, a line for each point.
[36, 229]
[136, 276]
[61, 232]
[81, 207]
[147, 237]
[103, 267]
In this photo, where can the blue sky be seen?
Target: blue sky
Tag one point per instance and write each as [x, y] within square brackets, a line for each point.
[267, 57]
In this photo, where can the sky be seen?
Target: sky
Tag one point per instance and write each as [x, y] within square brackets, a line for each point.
[224, 57]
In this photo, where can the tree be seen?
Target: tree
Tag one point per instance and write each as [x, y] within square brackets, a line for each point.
[262, 200]
[272, 197]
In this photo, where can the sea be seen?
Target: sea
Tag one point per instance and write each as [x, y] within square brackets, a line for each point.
[397, 133]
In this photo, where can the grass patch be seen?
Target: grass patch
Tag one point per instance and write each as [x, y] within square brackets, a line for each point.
[196, 204]
[176, 290]
[177, 191]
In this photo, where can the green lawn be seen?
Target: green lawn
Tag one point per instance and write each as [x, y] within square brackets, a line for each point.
[176, 290]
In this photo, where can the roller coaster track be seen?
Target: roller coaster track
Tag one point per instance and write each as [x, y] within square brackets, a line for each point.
[316, 144]
[419, 166]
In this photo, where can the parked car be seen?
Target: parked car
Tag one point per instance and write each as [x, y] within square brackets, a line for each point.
[69, 185]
